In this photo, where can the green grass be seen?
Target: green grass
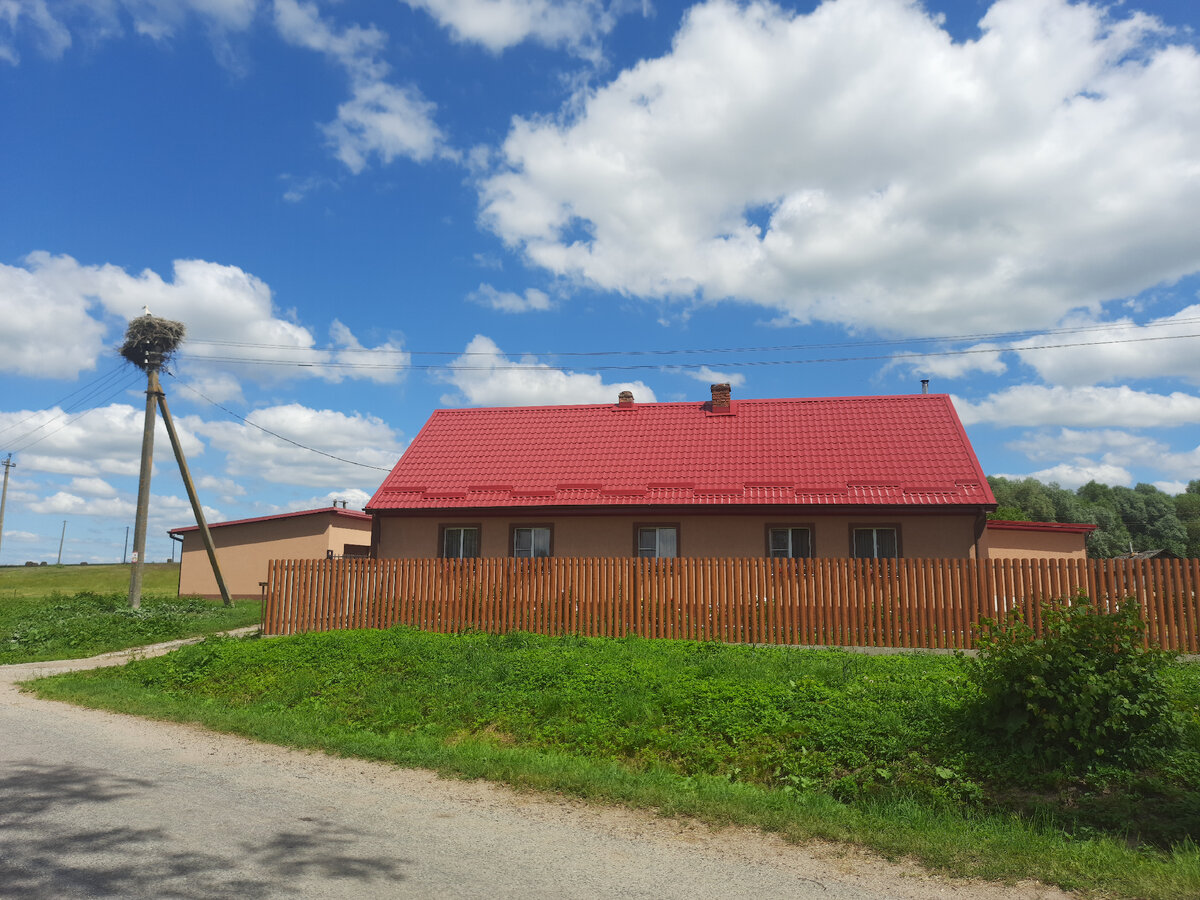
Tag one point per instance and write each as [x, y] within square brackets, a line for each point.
[812, 744]
[62, 626]
[36, 582]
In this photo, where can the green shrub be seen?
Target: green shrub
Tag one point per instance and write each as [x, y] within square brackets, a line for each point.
[1086, 692]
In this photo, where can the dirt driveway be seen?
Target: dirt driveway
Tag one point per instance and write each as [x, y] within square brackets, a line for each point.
[96, 804]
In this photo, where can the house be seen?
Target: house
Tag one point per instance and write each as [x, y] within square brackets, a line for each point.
[244, 547]
[828, 477]
[1003, 539]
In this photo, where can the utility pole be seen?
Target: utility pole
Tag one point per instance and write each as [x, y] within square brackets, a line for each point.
[197, 509]
[8, 464]
[143, 500]
[125, 549]
[62, 537]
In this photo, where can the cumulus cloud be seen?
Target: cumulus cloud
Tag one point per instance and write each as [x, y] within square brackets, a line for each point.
[855, 165]
[50, 24]
[1031, 404]
[380, 119]
[219, 304]
[1071, 475]
[1119, 350]
[251, 453]
[500, 24]
[1109, 454]
[712, 376]
[532, 300]
[104, 440]
[484, 376]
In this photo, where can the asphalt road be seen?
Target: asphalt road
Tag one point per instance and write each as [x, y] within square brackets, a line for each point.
[96, 804]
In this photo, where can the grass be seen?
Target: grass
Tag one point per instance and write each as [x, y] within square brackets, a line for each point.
[68, 612]
[812, 744]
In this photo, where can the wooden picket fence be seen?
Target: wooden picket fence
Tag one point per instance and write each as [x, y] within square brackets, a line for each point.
[918, 603]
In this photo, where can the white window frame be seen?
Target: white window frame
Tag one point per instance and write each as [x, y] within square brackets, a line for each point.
[789, 530]
[874, 531]
[461, 531]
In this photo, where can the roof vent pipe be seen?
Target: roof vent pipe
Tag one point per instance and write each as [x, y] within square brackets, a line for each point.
[924, 385]
[625, 399]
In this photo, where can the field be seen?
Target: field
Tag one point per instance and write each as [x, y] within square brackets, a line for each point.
[811, 744]
[69, 612]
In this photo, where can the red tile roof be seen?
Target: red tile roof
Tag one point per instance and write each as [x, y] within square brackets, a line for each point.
[891, 451]
[337, 511]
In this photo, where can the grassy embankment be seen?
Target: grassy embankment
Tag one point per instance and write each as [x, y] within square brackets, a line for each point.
[812, 744]
[69, 612]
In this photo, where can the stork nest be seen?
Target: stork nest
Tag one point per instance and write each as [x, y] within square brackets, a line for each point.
[150, 341]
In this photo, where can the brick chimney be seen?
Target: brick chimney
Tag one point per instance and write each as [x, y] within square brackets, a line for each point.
[625, 400]
[720, 398]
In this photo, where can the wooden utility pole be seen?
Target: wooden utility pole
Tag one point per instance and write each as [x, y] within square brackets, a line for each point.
[197, 509]
[143, 500]
[8, 464]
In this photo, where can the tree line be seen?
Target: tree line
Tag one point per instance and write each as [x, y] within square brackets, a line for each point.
[1141, 517]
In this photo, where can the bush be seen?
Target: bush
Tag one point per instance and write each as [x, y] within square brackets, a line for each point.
[1087, 691]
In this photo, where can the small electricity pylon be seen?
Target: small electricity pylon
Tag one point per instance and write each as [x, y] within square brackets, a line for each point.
[149, 343]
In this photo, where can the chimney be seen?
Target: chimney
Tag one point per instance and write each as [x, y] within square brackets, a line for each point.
[720, 398]
[625, 400]
[924, 385]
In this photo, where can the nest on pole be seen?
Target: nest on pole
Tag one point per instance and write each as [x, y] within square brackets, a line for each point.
[150, 341]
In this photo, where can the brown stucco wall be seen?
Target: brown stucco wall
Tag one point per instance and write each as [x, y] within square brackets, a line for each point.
[1010, 544]
[933, 536]
[244, 550]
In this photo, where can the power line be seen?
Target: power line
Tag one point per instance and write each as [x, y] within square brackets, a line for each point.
[272, 433]
[92, 387]
[123, 387]
[409, 366]
[784, 348]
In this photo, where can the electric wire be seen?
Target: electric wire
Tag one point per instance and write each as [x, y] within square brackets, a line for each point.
[1007, 335]
[273, 434]
[92, 387]
[750, 363]
[126, 385]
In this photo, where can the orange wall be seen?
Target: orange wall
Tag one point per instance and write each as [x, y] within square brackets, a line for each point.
[699, 536]
[1009, 544]
[243, 551]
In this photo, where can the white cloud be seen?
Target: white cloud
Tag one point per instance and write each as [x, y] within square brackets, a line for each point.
[380, 119]
[250, 453]
[1071, 476]
[219, 304]
[219, 387]
[355, 498]
[50, 24]
[486, 377]
[711, 376]
[1030, 404]
[1119, 350]
[1171, 487]
[90, 486]
[64, 503]
[22, 537]
[1114, 452]
[226, 488]
[854, 165]
[106, 439]
[500, 24]
[48, 328]
[506, 301]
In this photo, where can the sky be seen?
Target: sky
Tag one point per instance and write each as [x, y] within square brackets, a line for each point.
[365, 211]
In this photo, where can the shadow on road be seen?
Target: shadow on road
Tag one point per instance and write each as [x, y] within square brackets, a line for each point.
[66, 831]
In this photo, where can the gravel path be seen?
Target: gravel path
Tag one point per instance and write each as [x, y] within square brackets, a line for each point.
[97, 804]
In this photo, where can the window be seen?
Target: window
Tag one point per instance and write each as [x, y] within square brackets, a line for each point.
[531, 542]
[460, 541]
[789, 543]
[658, 540]
[875, 543]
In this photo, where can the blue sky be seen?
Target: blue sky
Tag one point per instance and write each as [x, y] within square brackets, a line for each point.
[364, 211]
